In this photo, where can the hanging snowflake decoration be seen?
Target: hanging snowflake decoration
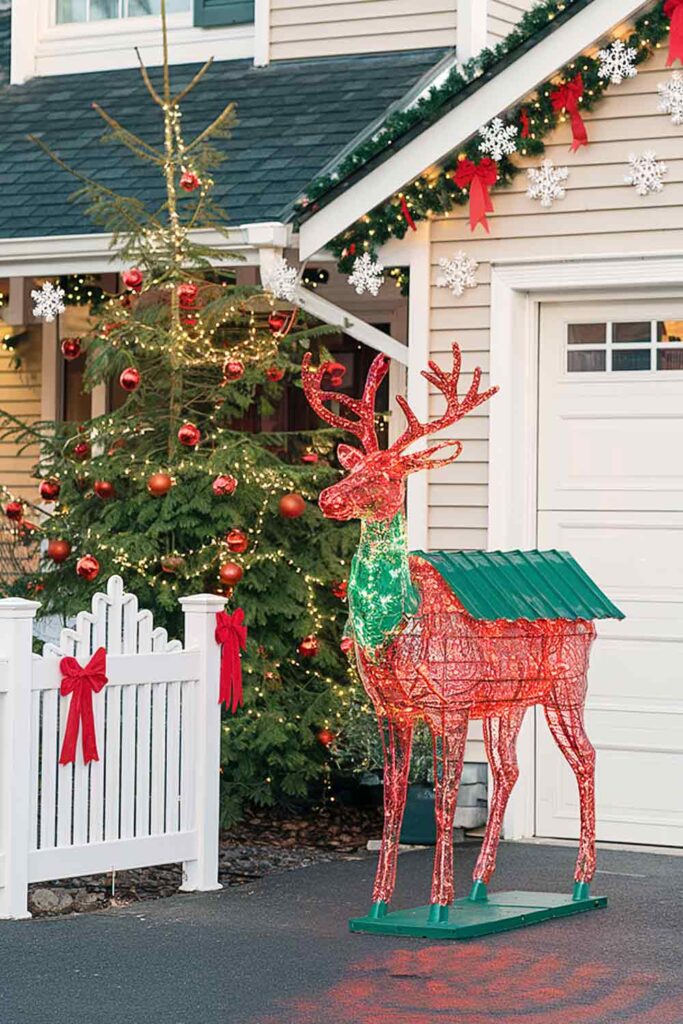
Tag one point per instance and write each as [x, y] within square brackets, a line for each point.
[368, 274]
[457, 273]
[48, 301]
[498, 139]
[617, 62]
[671, 97]
[646, 173]
[547, 182]
[281, 280]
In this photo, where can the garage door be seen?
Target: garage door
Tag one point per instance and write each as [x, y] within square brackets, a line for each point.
[610, 485]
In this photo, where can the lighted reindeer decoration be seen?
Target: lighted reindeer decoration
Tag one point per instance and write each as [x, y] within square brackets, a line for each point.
[425, 650]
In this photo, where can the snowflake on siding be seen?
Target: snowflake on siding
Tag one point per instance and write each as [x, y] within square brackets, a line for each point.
[368, 274]
[48, 301]
[498, 139]
[617, 62]
[547, 182]
[671, 97]
[646, 173]
[281, 280]
[458, 273]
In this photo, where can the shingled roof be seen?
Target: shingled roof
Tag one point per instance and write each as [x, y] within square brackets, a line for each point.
[294, 117]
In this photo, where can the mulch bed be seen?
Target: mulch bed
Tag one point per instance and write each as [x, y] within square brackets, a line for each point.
[263, 844]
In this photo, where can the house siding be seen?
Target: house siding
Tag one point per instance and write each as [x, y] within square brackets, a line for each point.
[315, 28]
[20, 395]
[502, 17]
[600, 214]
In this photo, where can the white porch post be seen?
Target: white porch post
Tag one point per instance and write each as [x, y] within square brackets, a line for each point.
[16, 632]
[200, 627]
[419, 309]
[261, 33]
[471, 28]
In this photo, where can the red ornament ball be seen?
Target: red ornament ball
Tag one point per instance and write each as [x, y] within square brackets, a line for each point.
[58, 550]
[233, 369]
[133, 279]
[326, 737]
[14, 510]
[189, 181]
[172, 563]
[159, 484]
[336, 372]
[189, 435]
[81, 451]
[88, 568]
[346, 646]
[237, 542]
[309, 646]
[71, 348]
[277, 322]
[292, 506]
[340, 589]
[310, 458]
[187, 295]
[104, 489]
[130, 379]
[49, 489]
[224, 485]
[274, 374]
[231, 573]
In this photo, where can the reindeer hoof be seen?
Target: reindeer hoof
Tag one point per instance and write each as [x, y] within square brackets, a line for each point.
[478, 892]
[378, 910]
[438, 914]
[582, 891]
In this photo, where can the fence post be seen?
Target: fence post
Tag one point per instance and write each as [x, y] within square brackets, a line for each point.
[16, 657]
[200, 627]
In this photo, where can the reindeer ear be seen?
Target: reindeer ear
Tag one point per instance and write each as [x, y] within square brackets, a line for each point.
[349, 456]
[423, 460]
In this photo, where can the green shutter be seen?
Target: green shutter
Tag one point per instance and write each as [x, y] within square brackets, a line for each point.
[209, 13]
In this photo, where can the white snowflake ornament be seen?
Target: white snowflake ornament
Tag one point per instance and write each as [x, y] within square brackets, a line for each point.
[671, 97]
[457, 273]
[646, 173]
[498, 139]
[368, 274]
[547, 182]
[281, 280]
[48, 301]
[617, 62]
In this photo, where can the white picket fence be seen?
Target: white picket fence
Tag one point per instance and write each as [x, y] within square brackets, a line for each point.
[152, 797]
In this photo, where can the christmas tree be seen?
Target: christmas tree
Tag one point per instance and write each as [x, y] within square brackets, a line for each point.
[168, 489]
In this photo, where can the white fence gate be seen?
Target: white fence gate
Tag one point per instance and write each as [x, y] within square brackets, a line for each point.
[152, 797]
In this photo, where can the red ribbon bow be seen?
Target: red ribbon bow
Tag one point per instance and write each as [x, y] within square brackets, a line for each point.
[405, 210]
[566, 97]
[673, 9]
[526, 123]
[231, 634]
[479, 177]
[81, 682]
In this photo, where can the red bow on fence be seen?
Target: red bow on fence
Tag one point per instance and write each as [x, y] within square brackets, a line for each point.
[479, 177]
[673, 9]
[231, 634]
[81, 682]
[566, 97]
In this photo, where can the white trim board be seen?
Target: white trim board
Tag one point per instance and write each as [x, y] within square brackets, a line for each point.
[437, 140]
[517, 290]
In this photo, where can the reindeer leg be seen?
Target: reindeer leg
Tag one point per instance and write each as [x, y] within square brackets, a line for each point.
[500, 741]
[567, 727]
[451, 736]
[396, 767]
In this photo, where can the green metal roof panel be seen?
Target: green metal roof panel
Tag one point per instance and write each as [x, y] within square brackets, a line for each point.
[521, 585]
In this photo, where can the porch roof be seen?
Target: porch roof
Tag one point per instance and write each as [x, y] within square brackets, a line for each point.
[295, 116]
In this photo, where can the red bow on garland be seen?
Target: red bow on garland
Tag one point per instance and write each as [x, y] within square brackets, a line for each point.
[566, 97]
[526, 123]
[673, 9]
[81, 682]
[479, 177]
[406, 213]
[231, 634]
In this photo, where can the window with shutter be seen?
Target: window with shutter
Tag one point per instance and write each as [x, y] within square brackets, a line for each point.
[209, 13]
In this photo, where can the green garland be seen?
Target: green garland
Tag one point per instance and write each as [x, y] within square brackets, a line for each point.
[436, 194]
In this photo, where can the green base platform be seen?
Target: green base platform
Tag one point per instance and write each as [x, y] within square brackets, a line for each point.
[469, 918]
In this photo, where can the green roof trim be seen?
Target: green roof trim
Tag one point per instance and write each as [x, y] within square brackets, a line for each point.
[521, 585]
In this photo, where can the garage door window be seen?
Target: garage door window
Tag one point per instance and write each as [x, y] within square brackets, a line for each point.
[625, 346]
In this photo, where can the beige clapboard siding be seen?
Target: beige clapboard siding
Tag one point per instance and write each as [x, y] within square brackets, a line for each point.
[502, 17]
[20, 396]
[315, 28]
[600, 215]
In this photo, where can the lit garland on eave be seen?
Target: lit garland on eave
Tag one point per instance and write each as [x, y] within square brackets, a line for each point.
[435, 193]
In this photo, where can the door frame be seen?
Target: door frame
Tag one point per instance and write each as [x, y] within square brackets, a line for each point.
[517, 290]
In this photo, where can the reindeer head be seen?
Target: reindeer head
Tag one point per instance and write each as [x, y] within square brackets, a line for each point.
[375, 486]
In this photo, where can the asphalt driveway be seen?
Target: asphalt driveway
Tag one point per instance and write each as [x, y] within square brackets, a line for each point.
[278, 952]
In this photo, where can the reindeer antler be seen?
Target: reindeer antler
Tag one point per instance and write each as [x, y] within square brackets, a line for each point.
[364, 408]
[447, 384]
